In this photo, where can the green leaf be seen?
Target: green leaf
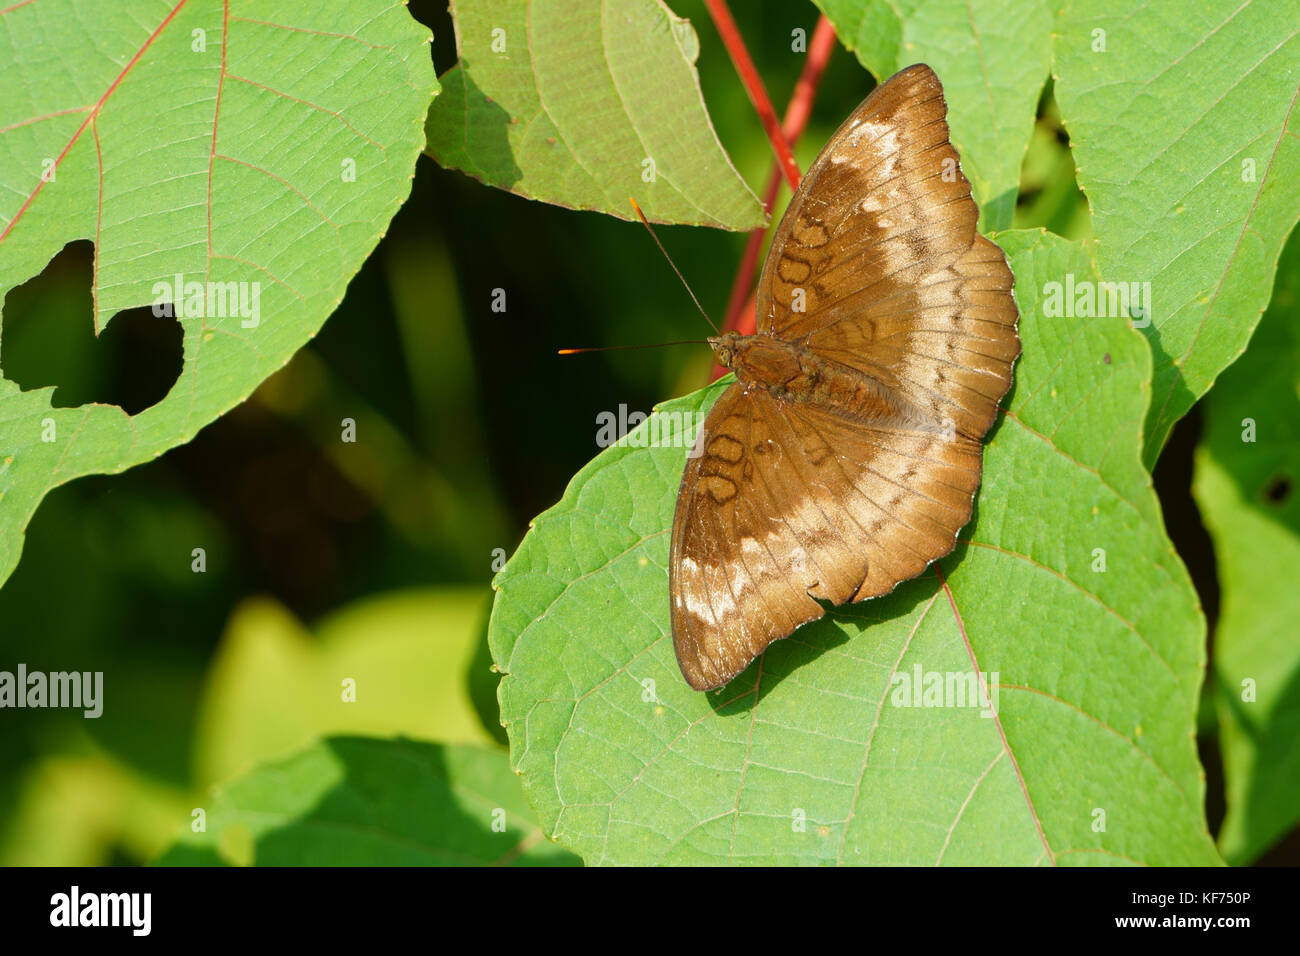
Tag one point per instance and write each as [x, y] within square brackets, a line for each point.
[1248, 488]
[569, 102]
[811, 756]
[206, 140]
[273, 685]
[357, 801]
[992, 56]
[1184, 133]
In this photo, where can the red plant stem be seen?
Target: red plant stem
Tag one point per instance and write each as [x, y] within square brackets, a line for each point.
[740, 304]
[736, 317]
[796, 118]
[754, 87]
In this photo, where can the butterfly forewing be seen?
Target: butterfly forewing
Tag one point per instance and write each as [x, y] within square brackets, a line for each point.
[948, 343]
[883, 200]
[754, 541]
[877, 268]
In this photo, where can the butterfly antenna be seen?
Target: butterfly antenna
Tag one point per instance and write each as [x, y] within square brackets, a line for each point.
[620, 348]
[646, 222]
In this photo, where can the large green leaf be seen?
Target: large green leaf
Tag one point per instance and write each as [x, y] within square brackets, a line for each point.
[357, 801]
[810, 755]
[1248, 488]
[214, 141]
[992, 56]
[1182, 118]
[568, 102]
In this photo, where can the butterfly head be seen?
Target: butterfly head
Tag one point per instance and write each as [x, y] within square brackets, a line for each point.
[726, 347]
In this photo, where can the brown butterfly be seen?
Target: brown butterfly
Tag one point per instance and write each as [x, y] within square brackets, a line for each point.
[846, 456]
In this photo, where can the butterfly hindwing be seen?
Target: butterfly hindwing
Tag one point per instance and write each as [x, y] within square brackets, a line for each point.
[906, 492]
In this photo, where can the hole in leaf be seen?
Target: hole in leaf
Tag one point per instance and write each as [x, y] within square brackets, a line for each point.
[1278, 490]
[47, 338]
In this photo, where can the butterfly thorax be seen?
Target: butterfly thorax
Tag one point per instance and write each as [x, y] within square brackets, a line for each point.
[792, 372]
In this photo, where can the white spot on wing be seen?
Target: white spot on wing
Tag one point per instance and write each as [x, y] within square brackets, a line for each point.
[885, 143]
